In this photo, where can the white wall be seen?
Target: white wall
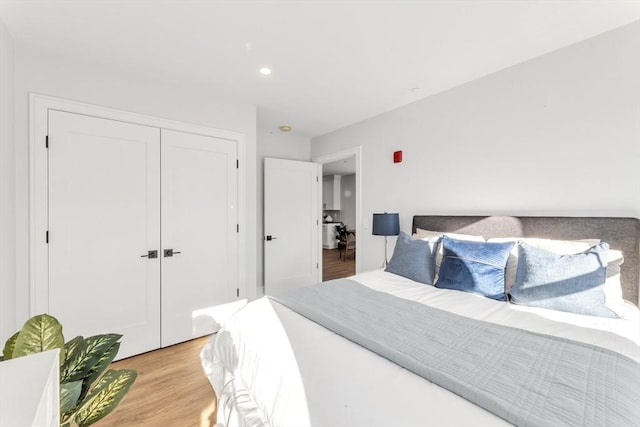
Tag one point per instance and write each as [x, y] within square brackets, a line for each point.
[39, 72]
[7, 190]
[557, 135]
[273, 143]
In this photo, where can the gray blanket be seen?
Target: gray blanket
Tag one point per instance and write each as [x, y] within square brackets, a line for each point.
[526, 378]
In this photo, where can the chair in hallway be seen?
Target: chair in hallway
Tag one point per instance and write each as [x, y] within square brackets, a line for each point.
[346, 241]
[341, 237]
[349, 245]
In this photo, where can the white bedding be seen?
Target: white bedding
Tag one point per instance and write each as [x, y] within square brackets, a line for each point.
[271, 366]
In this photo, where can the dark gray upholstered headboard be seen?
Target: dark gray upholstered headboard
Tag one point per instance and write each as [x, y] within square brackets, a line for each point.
[620, 233]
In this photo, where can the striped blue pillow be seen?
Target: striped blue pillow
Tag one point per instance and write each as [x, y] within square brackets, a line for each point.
[572, 283]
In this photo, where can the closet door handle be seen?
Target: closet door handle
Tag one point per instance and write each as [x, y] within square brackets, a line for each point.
[150, 255]
[170, 252]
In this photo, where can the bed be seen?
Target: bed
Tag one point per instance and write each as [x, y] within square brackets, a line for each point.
[272, 365]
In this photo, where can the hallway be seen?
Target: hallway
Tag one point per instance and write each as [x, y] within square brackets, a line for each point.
[334, 267]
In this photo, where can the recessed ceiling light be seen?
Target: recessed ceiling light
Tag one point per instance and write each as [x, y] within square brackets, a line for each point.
[285, 128]
[265, 71]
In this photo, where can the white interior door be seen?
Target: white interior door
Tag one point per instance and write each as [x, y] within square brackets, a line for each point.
[199, 223]
[291, 224]
[104, 216]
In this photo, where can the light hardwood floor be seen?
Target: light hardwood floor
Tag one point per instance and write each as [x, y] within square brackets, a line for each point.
[171, 390]
[333, 267]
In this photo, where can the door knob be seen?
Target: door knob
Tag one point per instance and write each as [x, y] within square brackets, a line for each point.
[170, 252]
[269, 238]
[150, 255]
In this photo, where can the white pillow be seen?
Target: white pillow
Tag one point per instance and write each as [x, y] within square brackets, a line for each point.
[561, 247]
[613, 285]
[428, 234]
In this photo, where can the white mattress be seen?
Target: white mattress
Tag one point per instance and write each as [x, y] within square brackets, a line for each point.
[271, 366]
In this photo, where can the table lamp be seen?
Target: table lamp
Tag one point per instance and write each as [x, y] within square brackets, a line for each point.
[386, 224]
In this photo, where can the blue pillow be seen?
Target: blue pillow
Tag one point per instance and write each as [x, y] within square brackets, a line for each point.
[572, 283]
[477, 267]
[414, 259]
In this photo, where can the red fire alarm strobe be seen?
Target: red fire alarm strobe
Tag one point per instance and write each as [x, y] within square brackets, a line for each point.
[397, 157]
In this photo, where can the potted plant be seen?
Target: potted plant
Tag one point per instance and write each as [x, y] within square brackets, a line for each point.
[87, 392]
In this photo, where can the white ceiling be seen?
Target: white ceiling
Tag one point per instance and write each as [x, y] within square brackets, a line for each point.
[340, 167]
[334, 62]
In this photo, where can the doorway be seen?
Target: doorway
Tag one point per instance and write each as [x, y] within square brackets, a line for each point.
[341, 202]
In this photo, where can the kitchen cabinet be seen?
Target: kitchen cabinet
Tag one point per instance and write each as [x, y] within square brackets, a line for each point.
[329, 240]
[331, 192]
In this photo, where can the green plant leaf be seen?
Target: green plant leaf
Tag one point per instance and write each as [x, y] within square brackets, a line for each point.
[69, 394]
[73, 350]
[98, 344]
[74, 347]
[80, 360]
[105, 396]
[40, 333]
[99, 367]
[7, 352]
[97, 347]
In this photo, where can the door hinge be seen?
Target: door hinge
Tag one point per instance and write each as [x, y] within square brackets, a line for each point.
[46, 141]
[237, 164]
[237, 228]
[238, 292]
[47, 236]
[317, 265]
[317, 179]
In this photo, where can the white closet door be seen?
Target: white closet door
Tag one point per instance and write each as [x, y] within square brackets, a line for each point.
[199, 220]
[104, 215]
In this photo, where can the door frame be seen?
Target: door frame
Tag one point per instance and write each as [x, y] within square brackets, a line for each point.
[39, 106]
[341, 155]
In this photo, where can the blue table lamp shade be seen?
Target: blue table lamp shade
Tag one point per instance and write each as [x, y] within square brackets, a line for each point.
[386, 224]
